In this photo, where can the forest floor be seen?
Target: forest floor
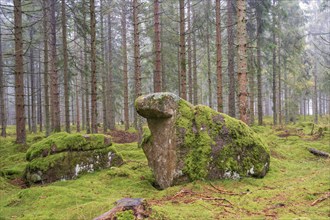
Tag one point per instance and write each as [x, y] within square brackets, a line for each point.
[297, 185]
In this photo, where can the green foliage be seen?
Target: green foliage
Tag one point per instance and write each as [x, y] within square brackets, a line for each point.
[125, 215]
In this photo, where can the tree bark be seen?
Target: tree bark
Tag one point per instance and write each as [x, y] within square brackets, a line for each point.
[315, 109]
[183, 91]
[137, 62]
[274, 67]
[46, 71]
[279, 84]
[104, 73]
[111, 100]
[65, 70]
[242, 63]
[157, 46]
[231, 72]
[2, 94]
[190, 81]
[19, 82]
[259, 78]
[54, 88]
[86, 70]
[125, 72]
[195, 85]
[219, 56]
[33, 85]
[209, 78]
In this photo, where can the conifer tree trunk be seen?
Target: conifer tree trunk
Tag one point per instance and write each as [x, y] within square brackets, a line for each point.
[242, 59]
[46, 61]
[251, 84]
[190, 83]
[183, 90]
[286, 107]
[33, 85]
[39, 116]
[219, 56]
[315, 109]
[274, 68]
[231, 72]
[2, 94]
[54, 88]
[65, 70]
[195, 85]
[104, 73]
[279, 85]
[157, 46]
[125, 72]
[259, 79]
[19, 82]
[209, 80]
[137, 63]
[111, 100]
[86, 70]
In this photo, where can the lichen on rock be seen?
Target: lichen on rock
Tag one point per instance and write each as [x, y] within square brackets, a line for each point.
[64, 156]
[189, 142]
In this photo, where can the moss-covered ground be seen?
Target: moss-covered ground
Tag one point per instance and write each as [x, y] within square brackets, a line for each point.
[295, 181]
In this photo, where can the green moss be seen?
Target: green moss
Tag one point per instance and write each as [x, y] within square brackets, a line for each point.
[125, 215]
[63, 141]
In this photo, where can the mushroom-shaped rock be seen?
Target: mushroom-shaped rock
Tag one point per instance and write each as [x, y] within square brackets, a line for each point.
[189, 142]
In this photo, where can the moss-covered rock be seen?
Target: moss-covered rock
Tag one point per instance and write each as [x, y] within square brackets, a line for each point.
[189, 142]
[64, 156]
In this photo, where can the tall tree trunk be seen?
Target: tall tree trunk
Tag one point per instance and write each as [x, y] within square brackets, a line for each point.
[274, 67]
[54, 88]
[86, 70]
[65, 70]
[286, 101]
[195, 85]
[219, 56]
[33, 85]
[28, 100]
[93, 68]
[19, 82]
[157, 46]
[242, 63]
[111, 100]
[315, 109]
[104, 73]
[137, 63]
[259, 79]
[125, 72]
[183, 90]
[39, 92]
[190, 81]
[231, 72]
[46, 71]
[279, 85]
[252, 85]
[209, 78]
[77, 106]
[2, 94]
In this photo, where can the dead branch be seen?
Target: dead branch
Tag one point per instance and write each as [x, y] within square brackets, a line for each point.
[326, 196]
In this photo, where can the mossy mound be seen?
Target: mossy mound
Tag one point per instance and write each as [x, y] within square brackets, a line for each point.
[64, 156]
[189, 142]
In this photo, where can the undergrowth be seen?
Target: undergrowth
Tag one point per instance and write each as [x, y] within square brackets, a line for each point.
[296, 179]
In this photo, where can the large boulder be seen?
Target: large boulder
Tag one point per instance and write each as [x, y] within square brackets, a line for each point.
[64, 156]
[189, 142]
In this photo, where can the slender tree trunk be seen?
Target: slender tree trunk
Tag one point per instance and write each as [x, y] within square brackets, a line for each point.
[86, 70]
[137, 62]
[315, 110]
[195, 85]
[111, 100]
[19, 82]
[209, 78]
[40, 118]
[286, 107]
[231, 72]
[125, 72]
[183, 91]
[65, 70]
[219, 56]
[46, 72]
[164, 80]
[93, 67]
[104, 73]
[33, 85]
[259, 79]
[157, 46]
[83, 93]
[242, 63]
[190, 81]
[279, 85]
[274, 68]
[28, 100]
[2, 94]
[55, 108]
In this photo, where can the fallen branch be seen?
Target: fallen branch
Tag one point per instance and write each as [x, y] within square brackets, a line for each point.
[223, 191]
[326, 196]
[318, 152]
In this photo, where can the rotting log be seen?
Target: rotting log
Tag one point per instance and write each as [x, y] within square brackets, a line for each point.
[318, 152]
